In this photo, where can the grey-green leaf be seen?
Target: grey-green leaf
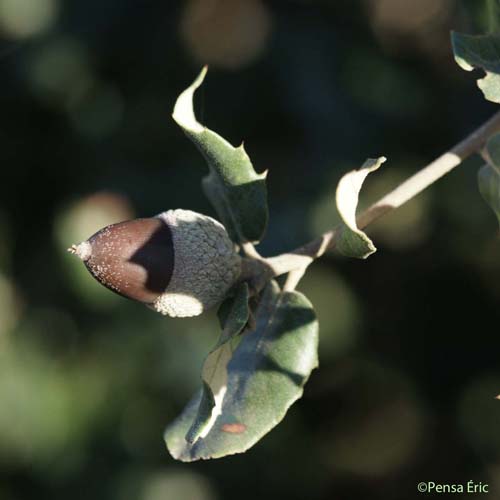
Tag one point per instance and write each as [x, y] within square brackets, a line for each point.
[351, 241]
[203, 415]
[236, 191]
[480, 51]
[234, 314]
[265, 375]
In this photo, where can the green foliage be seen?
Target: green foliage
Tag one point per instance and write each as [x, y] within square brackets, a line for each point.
[480, 51]
[236, 191]
[88, 380]
[234, 313]
[252, 375]
[265, 353]
[351, 241]
[489, 176]
[483, 51]
[265, 375]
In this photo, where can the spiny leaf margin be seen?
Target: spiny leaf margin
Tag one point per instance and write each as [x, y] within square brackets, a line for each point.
[236, 191]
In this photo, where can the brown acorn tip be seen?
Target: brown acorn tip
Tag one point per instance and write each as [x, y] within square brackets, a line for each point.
[82, 250]
[133, 258]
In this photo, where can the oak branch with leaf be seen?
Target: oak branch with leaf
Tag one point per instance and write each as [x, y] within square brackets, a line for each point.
[181, 263]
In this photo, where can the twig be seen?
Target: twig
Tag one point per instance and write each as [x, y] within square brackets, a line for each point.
[293, 278]
[301, 257]
[250, 251]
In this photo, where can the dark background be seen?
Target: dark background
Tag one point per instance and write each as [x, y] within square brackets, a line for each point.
[409, 339]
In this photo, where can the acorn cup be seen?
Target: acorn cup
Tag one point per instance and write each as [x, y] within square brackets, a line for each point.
[179, 262]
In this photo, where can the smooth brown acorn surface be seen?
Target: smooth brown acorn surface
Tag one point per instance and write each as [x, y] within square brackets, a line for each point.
[134, 258]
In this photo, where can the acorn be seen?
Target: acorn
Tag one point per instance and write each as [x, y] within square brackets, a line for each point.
[179, 262]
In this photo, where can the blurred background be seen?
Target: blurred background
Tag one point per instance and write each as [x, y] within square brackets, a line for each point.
[409, 343]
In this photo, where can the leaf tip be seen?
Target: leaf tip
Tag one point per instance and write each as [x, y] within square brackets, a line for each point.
[183, 113]
[372, 164]
[200, 78]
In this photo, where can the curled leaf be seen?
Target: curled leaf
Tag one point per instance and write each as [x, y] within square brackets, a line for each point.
[480, 51]
[236, 191]
[351, 241]
[265, 375]
[234, 313]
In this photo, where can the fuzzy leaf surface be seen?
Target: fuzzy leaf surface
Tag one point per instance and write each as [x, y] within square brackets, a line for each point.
[235, 313]
[236, 191]
[480, 51]
[265, 375]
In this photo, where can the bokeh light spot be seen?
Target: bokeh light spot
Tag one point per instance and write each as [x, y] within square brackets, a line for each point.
[409, 225]
[77, 223]
[25, 18]
[337, 310]
[380, 426]
[10, 307]
[60, 72]
[99, 112]
[226, 33]
[177, 484]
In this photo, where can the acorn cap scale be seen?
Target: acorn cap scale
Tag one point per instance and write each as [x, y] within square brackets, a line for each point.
[206, 264]
[133, 258]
